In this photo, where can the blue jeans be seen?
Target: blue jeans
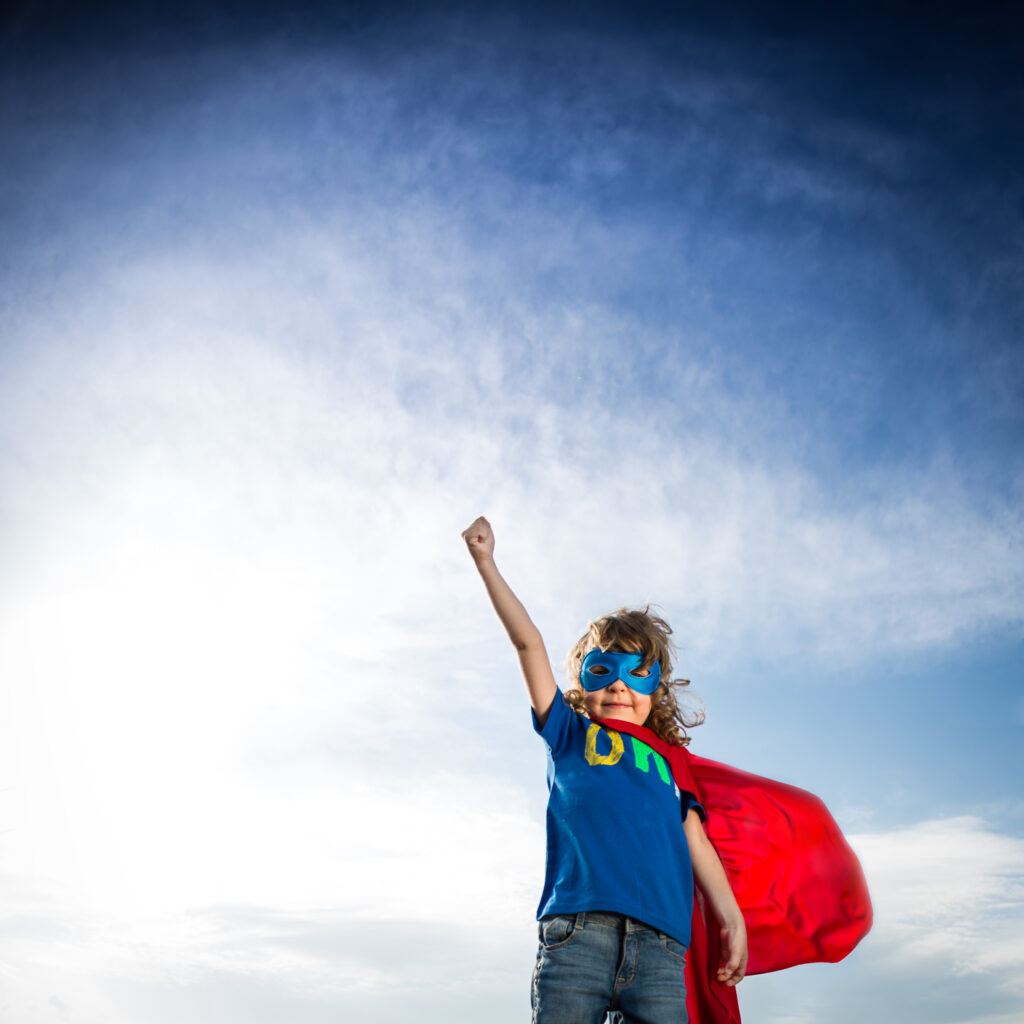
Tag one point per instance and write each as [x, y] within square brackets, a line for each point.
[593, 963]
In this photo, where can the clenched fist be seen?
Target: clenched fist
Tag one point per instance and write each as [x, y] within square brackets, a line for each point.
[479, 538]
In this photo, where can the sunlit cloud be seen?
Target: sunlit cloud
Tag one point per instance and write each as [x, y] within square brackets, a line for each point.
[949, 889]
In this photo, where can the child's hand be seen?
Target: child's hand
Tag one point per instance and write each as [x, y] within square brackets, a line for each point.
[479, 538]
[734, 948]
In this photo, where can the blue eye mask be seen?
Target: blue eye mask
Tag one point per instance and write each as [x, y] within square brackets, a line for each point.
[602, 668]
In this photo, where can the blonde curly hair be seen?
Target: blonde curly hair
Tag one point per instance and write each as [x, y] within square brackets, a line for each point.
[630, 629]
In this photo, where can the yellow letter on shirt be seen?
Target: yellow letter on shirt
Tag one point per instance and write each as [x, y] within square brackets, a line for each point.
[613, 755]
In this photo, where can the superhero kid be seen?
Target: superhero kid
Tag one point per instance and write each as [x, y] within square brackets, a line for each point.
[628, 836]
[618, 894]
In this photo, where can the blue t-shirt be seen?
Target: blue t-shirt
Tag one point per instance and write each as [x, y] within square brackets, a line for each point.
[614, 822]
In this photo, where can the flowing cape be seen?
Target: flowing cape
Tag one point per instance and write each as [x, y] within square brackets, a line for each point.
[799, 885]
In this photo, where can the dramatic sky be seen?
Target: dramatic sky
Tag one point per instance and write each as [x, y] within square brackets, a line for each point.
[704, 305]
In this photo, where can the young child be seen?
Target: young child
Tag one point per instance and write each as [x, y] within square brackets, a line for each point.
[625, 845]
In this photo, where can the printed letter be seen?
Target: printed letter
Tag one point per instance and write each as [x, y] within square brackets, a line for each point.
[613, 755]
[641, 755]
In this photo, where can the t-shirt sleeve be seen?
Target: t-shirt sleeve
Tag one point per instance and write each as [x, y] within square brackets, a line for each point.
[686, 782]
[688, 800]
[559, 724]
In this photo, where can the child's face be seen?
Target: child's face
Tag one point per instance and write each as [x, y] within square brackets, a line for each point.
[618, 701]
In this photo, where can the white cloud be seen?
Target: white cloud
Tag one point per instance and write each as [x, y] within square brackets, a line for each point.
[338, 450]
[949, 889]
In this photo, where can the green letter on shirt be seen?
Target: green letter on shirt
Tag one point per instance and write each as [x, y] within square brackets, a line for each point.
[643, 753]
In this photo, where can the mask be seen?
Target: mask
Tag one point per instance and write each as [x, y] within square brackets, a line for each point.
[619, 666]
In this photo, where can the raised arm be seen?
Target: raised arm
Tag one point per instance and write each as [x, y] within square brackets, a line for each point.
[525, 637]
[714, 883]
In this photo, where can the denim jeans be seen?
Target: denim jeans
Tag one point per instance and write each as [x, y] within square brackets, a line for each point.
[593, 963]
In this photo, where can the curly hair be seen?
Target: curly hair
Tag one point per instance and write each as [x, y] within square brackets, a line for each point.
[630, 629]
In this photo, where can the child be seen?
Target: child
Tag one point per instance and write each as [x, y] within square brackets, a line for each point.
[622, 838]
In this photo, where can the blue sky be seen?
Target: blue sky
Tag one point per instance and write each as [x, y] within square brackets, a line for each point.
[718, 308]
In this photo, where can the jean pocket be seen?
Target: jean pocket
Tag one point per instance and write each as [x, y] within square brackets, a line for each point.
[557, 930]
[676, 950]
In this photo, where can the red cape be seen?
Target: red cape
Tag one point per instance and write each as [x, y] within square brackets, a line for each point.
[798, 883]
